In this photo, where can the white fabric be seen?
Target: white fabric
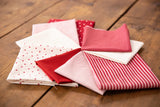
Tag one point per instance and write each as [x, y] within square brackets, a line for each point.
[67, 27]
[120, 57]
[78, 70]
[25, 70]
[51, 37]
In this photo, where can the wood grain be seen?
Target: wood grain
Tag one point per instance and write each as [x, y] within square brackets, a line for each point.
[144, 25]
[24, 95]
[14, 13]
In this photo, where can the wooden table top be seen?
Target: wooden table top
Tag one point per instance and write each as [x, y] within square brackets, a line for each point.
[17, 17]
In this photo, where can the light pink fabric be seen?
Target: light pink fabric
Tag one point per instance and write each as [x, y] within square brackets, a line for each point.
[67, 27]
[80, 26]
[114, 76]
[101, 40]
[78, 70]
[52, 37]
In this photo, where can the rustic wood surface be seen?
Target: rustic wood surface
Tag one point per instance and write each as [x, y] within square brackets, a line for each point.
[17, 17]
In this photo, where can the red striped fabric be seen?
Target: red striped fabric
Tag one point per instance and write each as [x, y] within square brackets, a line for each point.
[110, 75]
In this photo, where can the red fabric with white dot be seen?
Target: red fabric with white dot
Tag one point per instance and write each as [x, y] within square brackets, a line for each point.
[80, 26]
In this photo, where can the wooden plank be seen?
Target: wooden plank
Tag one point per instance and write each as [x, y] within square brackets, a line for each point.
[13, 13]
[144, 25]
[105, 20]
[23, 95]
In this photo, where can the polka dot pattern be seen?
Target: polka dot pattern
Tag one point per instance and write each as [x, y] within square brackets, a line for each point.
[25, 70]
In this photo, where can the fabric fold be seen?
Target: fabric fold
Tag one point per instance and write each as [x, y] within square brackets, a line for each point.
[50, 64]
[78, 70]
[51, 37]
[80, 26]
[120, 57]
[110, 75]
[67, 27]
[102, 40]
[25, 70]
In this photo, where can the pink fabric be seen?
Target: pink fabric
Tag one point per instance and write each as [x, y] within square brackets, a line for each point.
[80, 26]
[67, 27]
[78, 70]
[115, 76]
[50, 64]
[101, 40]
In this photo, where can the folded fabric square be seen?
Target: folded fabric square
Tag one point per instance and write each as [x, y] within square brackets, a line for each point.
[67, 27]
[25, 70]
[80, 26]
[51, 37]
[114, 76]
[78, 70]
[102, 40]
[50, 64]
[120, 57]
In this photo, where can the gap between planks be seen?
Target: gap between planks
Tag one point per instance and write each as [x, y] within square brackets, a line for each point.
[106, 29]
[30, 19]
[123, 14]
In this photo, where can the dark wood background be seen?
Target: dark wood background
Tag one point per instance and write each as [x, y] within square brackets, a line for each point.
[17, 17]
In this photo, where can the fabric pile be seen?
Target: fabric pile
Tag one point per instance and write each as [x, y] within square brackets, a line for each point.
[72, 52]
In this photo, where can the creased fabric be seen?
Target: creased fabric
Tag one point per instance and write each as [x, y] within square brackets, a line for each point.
[78, 70]
[80, 27]
[50, 64]
[110, 75]
[51, 37]
[111, 41]
[67, 27]
[25, 70]
[120, 57]
[52, 56]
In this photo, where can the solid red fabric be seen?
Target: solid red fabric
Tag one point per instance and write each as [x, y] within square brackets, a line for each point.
[80, 26]
[102, 40]
[50, 64]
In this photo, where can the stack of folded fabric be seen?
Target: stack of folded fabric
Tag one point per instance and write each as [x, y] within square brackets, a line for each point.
[72, 52]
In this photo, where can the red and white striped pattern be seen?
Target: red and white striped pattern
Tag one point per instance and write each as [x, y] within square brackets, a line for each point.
[110, 75]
